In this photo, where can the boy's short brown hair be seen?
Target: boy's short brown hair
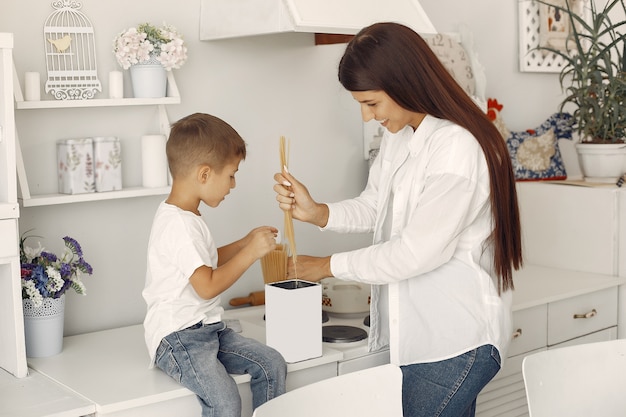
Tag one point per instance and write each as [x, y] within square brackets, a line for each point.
[201, 138]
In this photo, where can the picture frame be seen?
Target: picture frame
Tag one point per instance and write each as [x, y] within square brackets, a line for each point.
[543, 25]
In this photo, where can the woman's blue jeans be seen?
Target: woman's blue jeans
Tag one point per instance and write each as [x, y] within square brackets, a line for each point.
[448, 388]
[201, 357]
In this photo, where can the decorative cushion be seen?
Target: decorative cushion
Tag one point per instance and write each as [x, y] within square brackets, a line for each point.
[535, 153]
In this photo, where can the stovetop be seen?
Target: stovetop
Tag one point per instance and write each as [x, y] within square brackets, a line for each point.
[255, 316]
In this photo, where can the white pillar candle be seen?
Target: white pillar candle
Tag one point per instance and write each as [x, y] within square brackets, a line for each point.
[31, 86]
[154, 161]
[116, 84]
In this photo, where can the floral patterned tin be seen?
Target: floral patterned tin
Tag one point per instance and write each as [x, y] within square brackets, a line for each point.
[107, 153]
[76, 166]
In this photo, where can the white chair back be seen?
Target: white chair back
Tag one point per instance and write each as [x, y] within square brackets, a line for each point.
[373, 392]
[582, 380]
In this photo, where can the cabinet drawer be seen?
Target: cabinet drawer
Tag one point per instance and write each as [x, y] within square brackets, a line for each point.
[365, 362]
[566, 318]
[530, 330]
[601, 336]
[9, 241]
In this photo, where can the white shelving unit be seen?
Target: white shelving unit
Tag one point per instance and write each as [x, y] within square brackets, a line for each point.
[12, 347]
[30, 200]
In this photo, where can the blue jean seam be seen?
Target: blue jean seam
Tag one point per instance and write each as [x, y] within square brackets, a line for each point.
[458, 382]
[205, 397]
[270, 390]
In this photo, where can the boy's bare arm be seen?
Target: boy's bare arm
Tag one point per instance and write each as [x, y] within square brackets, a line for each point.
[226, 252]
[209, 282]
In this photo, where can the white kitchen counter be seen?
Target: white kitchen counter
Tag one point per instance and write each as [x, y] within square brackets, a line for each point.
[536, 285]
[109, 368]
[37, 396]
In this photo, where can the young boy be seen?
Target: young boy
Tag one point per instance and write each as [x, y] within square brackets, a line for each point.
[186, 274]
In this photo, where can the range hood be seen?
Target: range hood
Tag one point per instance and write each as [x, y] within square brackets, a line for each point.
[220, 19]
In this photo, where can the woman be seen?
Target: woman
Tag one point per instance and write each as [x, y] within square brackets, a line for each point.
[441, 202]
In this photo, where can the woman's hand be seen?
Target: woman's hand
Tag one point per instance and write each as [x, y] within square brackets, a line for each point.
[309, 268]
[293, 196]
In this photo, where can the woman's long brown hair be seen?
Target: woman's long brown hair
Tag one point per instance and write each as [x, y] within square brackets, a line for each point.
[393, 58]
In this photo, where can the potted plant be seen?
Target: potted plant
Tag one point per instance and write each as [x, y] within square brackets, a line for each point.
[45, 279]
[149, 51]
[594, 83]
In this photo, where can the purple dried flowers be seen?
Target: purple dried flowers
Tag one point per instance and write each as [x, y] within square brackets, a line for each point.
[46, 275]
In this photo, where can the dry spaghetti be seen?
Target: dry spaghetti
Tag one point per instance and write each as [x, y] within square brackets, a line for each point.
[289, 232]
[274, 265]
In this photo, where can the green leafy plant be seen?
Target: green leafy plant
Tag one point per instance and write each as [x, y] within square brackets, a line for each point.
[593, 76]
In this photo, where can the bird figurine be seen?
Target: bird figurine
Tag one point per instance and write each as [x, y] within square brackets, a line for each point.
[62, 43]
[493, 112]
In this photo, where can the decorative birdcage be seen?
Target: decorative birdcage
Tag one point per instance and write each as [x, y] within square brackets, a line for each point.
[70, 53]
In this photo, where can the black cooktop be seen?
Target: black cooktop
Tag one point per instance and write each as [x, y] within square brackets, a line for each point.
[342, 334]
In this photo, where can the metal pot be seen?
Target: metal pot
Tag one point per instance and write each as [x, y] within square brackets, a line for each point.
[345, 297]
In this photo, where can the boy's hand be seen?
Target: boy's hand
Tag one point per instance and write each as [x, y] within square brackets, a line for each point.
[233, 260]
[261, 240]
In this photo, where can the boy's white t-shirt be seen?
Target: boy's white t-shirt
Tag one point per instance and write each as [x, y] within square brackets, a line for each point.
[180, 242]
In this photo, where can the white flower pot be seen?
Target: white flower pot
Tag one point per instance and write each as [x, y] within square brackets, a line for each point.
[43, 327]
[149, 79]
[603, 163]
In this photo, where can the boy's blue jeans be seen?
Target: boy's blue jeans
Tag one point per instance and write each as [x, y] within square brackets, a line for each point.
[201, 357]
[448, 388]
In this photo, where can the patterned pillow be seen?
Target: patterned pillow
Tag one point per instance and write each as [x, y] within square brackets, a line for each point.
[535, 153]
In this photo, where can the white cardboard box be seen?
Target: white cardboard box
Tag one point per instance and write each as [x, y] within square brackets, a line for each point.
[293, 319]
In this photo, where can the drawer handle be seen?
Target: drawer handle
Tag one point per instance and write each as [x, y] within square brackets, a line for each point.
[588, 315]
[517, 333]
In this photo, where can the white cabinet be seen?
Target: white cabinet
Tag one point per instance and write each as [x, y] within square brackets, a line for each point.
[552, 308]
[12, 347]
[530, 330]
[29, 200]
[576, 227]
[580, 231]
[579, 316]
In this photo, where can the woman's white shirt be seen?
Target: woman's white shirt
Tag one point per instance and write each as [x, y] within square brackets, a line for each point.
[428, 246]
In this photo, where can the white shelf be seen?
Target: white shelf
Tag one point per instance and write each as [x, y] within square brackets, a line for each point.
[102, 102]
[29, 200]
[173, 97]
[52, 199]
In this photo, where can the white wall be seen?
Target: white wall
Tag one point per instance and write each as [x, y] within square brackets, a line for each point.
[528, 97]
[265, 87]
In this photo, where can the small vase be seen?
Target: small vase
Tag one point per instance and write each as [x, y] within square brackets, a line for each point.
[149, 79]
[602, 162]
[43, 327]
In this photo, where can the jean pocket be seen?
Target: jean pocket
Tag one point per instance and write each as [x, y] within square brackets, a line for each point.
[496, 355]
[166, 361]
